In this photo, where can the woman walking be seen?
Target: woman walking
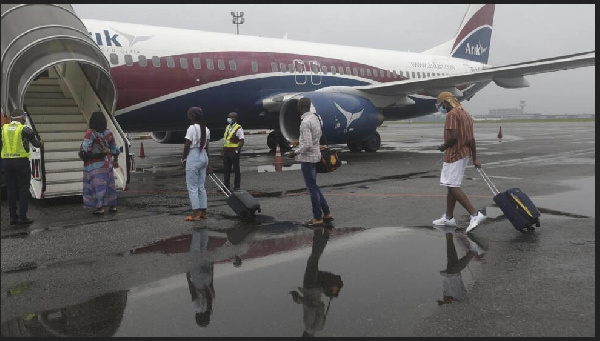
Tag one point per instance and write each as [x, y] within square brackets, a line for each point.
[195, 161]
[98, 176]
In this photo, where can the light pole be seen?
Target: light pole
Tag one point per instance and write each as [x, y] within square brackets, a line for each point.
[238, 19]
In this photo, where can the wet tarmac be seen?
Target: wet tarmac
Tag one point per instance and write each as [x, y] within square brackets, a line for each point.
[379, 269]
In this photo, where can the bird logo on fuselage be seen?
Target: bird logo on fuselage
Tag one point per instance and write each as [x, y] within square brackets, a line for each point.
[350, 117]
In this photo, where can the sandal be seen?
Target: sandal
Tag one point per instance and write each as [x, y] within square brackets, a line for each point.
[192, 218]
[313, 223]
[99, 211]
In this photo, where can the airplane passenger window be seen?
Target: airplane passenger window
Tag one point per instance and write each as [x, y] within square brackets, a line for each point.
[389, 74]
[341, 70]
[221, 64]
[183, 62]
[274, 67]
[196, 62]
[375, 73]
[232, 65]
[114, 59]
[332, 69]
[128, 60]
[315, 69]
[254, 66]
[282, 67]
[413, 75]
[368, 72]
[291, 68]
[400, 74]
[362, 72]
[142, 60]
[428, 75]
[155, 61]
[355, 71]
[324, 69]
[418, 75]
[209, 64]
[170, 62]
[348, 70]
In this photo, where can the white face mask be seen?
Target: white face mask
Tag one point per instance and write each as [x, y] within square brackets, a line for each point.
[229, 120]
[440, 108]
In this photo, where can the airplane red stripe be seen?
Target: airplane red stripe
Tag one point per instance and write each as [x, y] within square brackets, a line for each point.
[485, 16]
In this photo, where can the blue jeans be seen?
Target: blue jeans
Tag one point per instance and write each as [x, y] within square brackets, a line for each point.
[319, 204]
[195, 177]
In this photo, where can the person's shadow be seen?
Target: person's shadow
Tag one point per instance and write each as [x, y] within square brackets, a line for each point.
[453, 286]
[315, 284]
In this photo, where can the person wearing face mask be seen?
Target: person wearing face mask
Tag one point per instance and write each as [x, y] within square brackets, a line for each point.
[459, 145]
[232, 147]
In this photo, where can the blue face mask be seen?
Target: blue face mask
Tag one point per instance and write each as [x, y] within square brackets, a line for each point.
[443, 110]
[229, 120]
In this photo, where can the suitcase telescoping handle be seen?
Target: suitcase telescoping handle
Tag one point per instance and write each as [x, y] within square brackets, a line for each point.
[220, 184]
[488, 181]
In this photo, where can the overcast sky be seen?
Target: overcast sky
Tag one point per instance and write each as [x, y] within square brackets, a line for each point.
[520, 33]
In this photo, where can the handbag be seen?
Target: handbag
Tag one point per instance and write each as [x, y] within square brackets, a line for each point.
[97, 151]
[330, 160]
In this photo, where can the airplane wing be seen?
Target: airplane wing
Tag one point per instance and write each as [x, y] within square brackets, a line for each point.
[507, 76]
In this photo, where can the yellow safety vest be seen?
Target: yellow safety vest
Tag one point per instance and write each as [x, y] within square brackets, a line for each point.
[228, 137]
[12, 141]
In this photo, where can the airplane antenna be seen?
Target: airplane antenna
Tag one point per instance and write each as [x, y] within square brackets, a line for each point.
[238, 19]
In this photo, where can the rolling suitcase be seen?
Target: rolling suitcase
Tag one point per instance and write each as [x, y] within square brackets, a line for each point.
[242, 202]
[515, 205]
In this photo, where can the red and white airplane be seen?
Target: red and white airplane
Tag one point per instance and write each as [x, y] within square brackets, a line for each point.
[160, 72]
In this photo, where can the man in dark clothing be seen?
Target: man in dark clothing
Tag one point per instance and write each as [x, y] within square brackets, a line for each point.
[16, 137]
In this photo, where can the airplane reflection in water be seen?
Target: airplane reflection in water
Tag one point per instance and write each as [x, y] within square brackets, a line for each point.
[103, 314]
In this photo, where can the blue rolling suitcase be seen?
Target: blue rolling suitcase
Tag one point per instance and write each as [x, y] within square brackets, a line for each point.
[515, 205]
[241, 202]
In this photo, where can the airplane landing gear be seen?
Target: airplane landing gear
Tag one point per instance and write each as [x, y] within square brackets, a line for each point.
[372, 143]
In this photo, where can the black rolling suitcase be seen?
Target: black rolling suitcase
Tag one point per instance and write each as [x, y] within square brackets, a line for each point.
[242, 202]
[515, 205]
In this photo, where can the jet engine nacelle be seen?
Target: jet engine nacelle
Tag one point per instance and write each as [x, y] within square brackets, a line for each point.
[168, 136]
[345, 117]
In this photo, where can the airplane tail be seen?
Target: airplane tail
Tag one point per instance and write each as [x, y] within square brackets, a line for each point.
[472, 41]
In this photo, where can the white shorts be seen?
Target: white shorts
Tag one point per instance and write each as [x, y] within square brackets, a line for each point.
[453, 173]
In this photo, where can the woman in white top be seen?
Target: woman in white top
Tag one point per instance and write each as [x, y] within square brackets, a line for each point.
[195, 161]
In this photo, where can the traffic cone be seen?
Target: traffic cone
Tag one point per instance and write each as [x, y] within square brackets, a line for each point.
[278, 159]
[500, 135]
[142, 154]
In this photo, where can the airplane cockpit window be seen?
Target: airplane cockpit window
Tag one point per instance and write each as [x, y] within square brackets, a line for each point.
[155, 61]
[183, 62]
[221, 64]
[114, 59]
[232, 65]
[209, 64]
[142, 60]
[170, 62]
[362, 72]
[274, 67]
[254, 66]
[197, 63]
[128, 60]
[282, 67]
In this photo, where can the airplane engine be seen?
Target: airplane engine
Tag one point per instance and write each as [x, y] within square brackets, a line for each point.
[168, 136]
[346, 119]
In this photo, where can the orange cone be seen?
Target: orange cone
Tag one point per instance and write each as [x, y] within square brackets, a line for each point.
[500, 134]
[278, 160]
[142, 154]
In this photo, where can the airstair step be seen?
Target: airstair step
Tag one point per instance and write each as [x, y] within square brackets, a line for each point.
[49, 102]
[55, 109]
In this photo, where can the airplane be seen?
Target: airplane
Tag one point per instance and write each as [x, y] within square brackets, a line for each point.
[60, 68]
[160, 72]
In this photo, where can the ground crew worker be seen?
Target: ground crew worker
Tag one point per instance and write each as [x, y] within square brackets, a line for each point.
[16, 137]
[232, 147]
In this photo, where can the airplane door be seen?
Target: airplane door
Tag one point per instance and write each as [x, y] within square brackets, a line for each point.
[300, 74]
[315, 72]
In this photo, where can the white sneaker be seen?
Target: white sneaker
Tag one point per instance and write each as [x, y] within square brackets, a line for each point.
[444, 221]
[445, 229]
[475, 221]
